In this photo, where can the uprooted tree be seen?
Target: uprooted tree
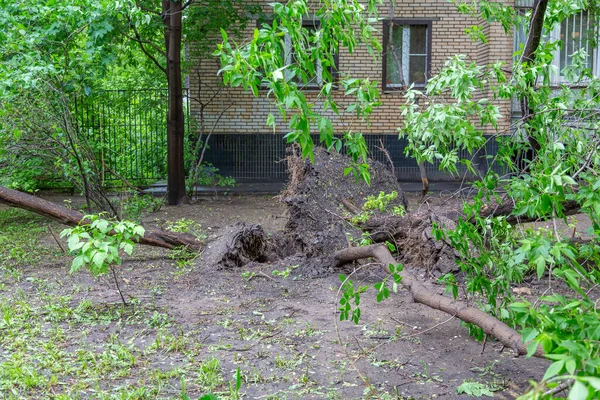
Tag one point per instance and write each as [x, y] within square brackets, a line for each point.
[549, 158]
[482, 250]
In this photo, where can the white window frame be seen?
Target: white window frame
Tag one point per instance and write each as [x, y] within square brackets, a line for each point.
[406, 54]
[556, 78]
[317, 81]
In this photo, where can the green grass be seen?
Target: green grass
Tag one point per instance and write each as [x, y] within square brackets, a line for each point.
[20, 232]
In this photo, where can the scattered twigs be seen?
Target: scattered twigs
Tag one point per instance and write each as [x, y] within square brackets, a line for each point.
[349, 206]
[259, 274]
[563, 386]
[430, 328]
[56, 239]
[489, 324]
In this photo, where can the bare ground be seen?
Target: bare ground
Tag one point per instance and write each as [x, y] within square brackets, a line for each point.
[282, 332]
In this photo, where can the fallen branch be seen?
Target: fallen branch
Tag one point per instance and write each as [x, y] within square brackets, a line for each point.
[489, 324]
[152, 237]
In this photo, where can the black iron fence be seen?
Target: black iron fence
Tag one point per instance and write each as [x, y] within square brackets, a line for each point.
[127, 131]
[261, 157]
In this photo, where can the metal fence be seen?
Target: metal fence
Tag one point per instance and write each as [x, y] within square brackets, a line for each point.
[260, 157]
[127, 131]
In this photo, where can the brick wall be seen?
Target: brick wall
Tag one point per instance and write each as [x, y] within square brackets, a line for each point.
[247, 114]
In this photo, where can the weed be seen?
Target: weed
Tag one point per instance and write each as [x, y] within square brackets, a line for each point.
[284, 273]
[135, 206]
[158, 320]
[476, 389]
[185, 225]
[20, 232]
[209, 375]
[285, 363]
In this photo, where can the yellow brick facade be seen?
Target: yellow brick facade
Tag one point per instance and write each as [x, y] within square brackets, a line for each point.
[247, 114]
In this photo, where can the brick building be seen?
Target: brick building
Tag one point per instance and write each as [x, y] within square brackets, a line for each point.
[425, 34]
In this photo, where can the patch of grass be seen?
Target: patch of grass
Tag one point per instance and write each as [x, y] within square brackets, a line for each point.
[209, 375]
[288, 364]
[20, 232]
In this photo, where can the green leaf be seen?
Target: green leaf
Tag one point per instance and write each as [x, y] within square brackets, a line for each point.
[529, 334]
[578, 392]
[554, 369]
[531, 348]
[78, 262]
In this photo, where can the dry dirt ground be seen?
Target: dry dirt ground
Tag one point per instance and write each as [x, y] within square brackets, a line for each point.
[189, 328]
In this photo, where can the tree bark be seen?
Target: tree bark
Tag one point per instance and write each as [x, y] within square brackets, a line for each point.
[172, 19]
[490, 325]
[506, 208]
[536, 27]
[152, 237]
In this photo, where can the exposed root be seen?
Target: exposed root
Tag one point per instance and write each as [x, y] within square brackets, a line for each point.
[236, 245]
[490, 325]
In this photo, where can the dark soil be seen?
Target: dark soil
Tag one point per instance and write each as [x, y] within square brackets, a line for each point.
[277, 321]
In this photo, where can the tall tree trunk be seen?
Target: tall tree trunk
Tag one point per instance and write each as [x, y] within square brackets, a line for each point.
[536, 26]
[172, 11]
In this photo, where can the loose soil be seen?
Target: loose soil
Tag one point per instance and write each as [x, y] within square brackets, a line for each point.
[272, 320]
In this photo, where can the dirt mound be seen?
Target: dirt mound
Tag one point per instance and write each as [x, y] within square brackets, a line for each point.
[315, 198]
[320, 200]
[317, 226]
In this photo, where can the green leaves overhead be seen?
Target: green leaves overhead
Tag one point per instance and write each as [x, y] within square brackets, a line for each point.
[286, 56]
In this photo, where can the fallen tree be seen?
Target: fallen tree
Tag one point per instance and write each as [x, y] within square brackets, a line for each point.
[420, 294]
[320, 236]
[152, 237]
[319, 232]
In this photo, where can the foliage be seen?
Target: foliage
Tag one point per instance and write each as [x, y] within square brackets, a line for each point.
[381, 204]
[185, 225]
[560, 167]
[97, 244]
[135, 206]
[284, 273]
[550, 161]
[475, 389]
[351, 294]
[261, 64]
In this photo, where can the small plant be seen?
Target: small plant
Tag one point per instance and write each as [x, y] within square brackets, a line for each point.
[185, 225]
[98, 245]
[380, 203]
[248, 275]
[135, 206]
[284, 273]
[350, 294]
[476, 389]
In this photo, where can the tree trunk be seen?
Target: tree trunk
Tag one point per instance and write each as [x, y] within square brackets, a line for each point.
[172, 11]
[152, 237]
[490, 325]
[536, 26]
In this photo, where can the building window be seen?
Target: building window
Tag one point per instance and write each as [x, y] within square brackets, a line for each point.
[313, 81]
[575, 33]
[407, 54]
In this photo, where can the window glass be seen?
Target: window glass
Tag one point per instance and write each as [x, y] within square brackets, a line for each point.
[574, 34]
[407, 55]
